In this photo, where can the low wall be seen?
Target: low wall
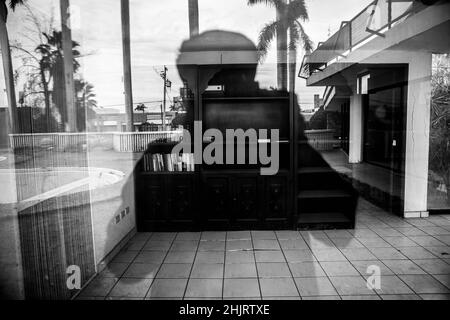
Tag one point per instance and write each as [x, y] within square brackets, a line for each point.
[321, 140]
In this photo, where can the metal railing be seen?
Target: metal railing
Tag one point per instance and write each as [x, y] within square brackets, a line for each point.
[373, 20]
[119, 141]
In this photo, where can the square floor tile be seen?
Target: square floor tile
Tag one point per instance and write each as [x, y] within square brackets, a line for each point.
[293, 244]
[114, 270]
[167, 288]
[141, 236]
[234, 245]
[174, 270]
[306, 269]
[364, 267]
[320, 243]
[99, 287]
[424, 284]
[374, 242]
[387, 232]
[392, 285]
[400, 297]
[163, 236]
[288, 235]
[278, 287]
[156, 245]
[239, 257]
[132, 288]
[328, 255]
[185, 245]
[210, 257]
[273, 270]
[265, 235]
[339, 268]
[211, 246]
[433, 266]
[427, 241]
[366, 297]
[443, 278]
[388, 253]
[313, 234]
[315, 287]
[207, 271]
[338, 234]
[126, 256]
[400, 242]
[214, 235]
[299, 255]
[239, 235]
[180, 257]
[142, 270]
[403, 267]
[417, 253]
[269, 256]
[347, 243]
[188, 236]
[440, 251]
[242, 288]
[240, 270]
[435, 296]
[134, 245]
[266, 244]
[355, 254]
[348, 286]
[204, 288]
[412, 231]
[155, 257]
[322, 298]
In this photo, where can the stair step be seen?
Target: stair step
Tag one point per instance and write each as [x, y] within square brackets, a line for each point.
[323, 217]
[322, 194]
[306, 170]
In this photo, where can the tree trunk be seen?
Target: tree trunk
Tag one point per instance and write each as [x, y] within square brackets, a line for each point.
[282, 57]
[193, 18]
[68, 66]
[9, 75]
[126, 47]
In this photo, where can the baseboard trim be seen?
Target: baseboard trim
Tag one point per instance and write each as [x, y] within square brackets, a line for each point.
[416, 214]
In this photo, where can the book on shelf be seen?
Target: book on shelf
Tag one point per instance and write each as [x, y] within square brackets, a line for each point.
[169, 162]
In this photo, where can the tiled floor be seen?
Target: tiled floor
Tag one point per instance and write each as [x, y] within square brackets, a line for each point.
[413, 257]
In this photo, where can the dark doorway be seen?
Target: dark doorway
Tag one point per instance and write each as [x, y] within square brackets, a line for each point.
[384, 128]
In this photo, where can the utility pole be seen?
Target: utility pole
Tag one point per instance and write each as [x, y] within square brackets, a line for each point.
[126, 48]
[68, 66]
[167, 84]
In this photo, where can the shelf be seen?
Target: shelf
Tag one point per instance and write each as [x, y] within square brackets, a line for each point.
[323, 194]
[246, 98]
[163, 173]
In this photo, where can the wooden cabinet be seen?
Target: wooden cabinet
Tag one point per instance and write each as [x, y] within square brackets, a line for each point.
[244, 200]
[165, 201]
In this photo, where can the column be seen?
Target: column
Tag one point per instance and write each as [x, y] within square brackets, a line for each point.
[417, 135]
[356, 129]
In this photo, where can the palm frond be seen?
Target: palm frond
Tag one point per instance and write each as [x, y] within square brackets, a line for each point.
[297, 10]
[306, 40]
[266, 36]
[14, 3]
[278, 4]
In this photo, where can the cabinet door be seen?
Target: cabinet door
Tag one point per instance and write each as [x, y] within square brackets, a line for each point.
[180, 198]
[216, 197]
[276, 198]
[151, 200]
[246, 198]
